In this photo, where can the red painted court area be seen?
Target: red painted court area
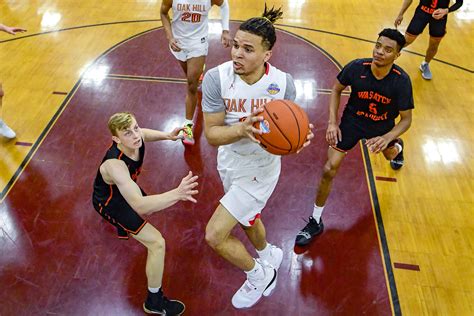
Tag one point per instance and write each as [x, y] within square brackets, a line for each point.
[60, 257]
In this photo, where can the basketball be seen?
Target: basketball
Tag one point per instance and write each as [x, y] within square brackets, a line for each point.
[285, 126]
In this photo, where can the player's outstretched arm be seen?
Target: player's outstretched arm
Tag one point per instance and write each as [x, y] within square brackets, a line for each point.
[151, 135]
[218, 134]
[11, 29]
[399, 19]
[117, 172]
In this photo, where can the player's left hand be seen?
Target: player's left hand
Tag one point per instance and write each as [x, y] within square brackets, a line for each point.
[226, 40]
[13, 30]
[174, 134]
[398, 20]
[439, 13]
[377, 144]
[309, 137]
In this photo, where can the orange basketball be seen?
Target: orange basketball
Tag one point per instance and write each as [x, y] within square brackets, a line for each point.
[285, 127]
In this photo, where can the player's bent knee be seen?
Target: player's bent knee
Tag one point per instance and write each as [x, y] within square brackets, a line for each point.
[329, 171]
[213, 237]
[434, 43]
[158, 243]
[193, 86]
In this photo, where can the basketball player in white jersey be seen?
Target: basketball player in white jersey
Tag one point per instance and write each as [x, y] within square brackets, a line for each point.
[232, 95]
[187, 35]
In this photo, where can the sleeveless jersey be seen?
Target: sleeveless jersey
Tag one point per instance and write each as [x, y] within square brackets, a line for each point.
[104, 192]
[241, 99]
[190, 19]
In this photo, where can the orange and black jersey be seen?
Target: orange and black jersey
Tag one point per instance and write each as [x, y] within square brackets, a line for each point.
[429, 6]
[376, 101]
[104, 192]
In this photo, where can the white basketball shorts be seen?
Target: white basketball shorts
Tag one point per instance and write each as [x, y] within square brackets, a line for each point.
[248, 182]
[191, 49]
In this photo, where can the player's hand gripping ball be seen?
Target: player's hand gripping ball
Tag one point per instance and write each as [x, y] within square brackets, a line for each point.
[285, 126]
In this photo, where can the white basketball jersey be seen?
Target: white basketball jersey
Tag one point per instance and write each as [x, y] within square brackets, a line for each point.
[241, 99]
[190, 19]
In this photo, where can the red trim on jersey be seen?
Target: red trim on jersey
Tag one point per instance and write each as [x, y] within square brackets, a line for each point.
[367, 63]
[267, 68]
[396, 71]
[252, 221]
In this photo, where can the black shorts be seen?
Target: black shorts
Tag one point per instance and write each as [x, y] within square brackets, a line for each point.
[419, 21]
[120, 214]
[354, 129]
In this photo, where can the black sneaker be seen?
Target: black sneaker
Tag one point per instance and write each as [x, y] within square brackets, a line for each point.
[397, 162]
[158, 304]
[312, 229]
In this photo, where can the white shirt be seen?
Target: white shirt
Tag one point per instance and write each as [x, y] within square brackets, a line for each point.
[190, 19]
[223, 90]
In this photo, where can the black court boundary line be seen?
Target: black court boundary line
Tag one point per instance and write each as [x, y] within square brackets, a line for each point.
[78, 27]
[383, 237]
[373, 42]
[386, 253]
[146, 78]
[56, 115]
[240, 21]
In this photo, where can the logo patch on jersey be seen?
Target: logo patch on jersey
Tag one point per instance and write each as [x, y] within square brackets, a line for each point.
[264, 126]
[273, 88]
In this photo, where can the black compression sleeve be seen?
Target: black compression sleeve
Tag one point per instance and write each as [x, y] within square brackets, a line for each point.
[455, 6]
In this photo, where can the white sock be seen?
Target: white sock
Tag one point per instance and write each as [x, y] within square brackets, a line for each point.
[424, 63]
[400, 148]
[317, 212]
[265, 252]
[188, 122]
[256, 272]
[154, 289]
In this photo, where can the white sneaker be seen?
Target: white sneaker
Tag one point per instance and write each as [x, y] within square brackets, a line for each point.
[253, 289]
[275, 258]
[6, 131]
